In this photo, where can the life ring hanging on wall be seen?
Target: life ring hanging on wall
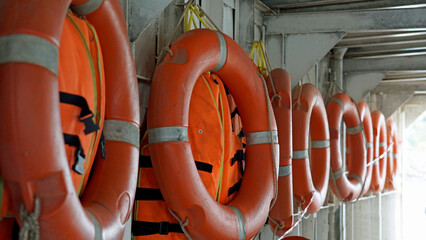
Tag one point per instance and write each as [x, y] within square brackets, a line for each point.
[281, 215]
[391, 182]
[347, 187]
[310, 177]
[380, 146]
[365, 115]
[38, 176]
[200, 216]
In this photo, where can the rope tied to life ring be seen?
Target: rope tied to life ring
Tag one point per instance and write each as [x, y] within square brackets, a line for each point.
[268, 107]
[181, 223]
[264, 65]
[302, 214]
[30, 226]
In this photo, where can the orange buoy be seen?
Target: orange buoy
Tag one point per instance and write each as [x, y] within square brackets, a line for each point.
[380, 146]
[346, 187]
[392, 158]
[187, 199]
[310, 177]
[281, 215]
[208, 110]
[33, 160]
[82, 103]
[365, 115]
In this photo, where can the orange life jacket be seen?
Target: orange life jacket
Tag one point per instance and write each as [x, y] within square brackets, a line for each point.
[209, 106]
[82, 96]
[82, 101]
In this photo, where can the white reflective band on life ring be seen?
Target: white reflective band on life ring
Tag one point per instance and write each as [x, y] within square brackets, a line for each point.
[168, 134]
[87, 7]
[27, 48]
[261, 137]
[121, 131]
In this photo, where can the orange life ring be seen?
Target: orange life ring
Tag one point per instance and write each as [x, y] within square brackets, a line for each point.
[281, 215]
[393, 163]
[151, 217]
[380, 146]
[82, 104]
[365, 115]
[39, 177]
[347, 188]
[200, 216]
[309, 118]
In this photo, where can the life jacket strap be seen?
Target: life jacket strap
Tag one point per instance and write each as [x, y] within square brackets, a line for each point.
[80, 157]
[142, 228]
[145, 162]
[235, 187]
[235, 112]
[241, 134]
[102, 146]
[148, 194]
[86, 116]
[238, 157]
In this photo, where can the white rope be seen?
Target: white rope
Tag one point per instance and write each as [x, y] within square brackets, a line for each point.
[297, 103]
[269, 69]
[166, 48]
[300, 217]
[381, 156]
[268, 106]
[181, 223]
[205, 14]
[277, 226]
[335, 185]
[29, 222]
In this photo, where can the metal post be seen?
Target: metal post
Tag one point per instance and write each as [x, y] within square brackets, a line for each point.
[338, 71]
[338, 65]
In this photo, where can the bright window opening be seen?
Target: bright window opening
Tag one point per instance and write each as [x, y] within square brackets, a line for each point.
[414, 182]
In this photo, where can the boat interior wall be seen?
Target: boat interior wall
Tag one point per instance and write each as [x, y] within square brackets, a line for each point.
[371, 50]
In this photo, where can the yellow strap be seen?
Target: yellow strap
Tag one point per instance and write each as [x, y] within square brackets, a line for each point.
[221, 118]
[191, 11]
[222, 162]
[136, 211]
[95, 95]
[194, 10]
[251, 55]
[146, 145]
[257, 51]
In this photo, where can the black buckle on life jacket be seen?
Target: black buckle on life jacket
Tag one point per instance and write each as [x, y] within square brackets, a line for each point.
[79, 156]
[164, 228]
[86, 116]
[88, 122]
[102, 146]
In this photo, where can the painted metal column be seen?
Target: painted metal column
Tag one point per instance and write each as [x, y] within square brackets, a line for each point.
[338, 65]
[338, 73]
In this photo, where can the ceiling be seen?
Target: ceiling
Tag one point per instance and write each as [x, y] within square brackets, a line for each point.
[381, 36]
[368, 44]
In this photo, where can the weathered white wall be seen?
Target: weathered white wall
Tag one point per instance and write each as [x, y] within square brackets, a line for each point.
[370, 218]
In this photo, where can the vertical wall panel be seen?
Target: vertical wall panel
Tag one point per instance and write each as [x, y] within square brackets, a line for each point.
[274, 50]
